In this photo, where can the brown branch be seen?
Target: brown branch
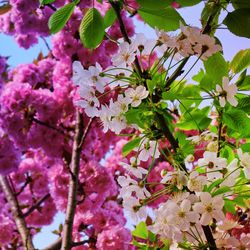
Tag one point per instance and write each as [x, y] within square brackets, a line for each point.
[17, 214]
[28, 180]
[75, 165]
[34, 207]
[209, 237]
[117, 9]
[176, 73]
[48, 125]
[80, 243]
[86, 132]
[219, 132]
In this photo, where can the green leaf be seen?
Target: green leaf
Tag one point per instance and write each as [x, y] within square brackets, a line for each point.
[185, 145]
[133, 116]
[194, 119]
[238, 22]
[174, 92]
[151, 85]
[238, 4]
[238, 121]
[246, 147]
[214, 184]
[167, 19]
[141, 231]
[154, 5]
[241, 60]
[221, 190]
[109, 18]
[229, 206]
[44, 2]
[216, 67]
[151, 236]
[91, 29]
[127, 148]
[240, 201]
[58, 20]
[244, 104]
[185, 3]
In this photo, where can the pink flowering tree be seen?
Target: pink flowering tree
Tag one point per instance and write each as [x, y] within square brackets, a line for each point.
[107, 124]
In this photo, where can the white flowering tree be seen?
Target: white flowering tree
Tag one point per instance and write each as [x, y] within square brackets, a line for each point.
[185, 179]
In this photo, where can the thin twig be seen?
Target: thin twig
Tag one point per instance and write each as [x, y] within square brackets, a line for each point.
[28, 180]
[37, 205]
[73, 185]
[49, 126]
[46, 43]
[17, 214]
[86, 131]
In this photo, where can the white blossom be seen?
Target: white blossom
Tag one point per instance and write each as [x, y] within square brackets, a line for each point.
[79, 73]
[181, 215]
[134, 168]
[148, 149]
[177, 178]
[227, 92]
[206, 46]
[90, 103]
[244, 162]
[94, 77]
[116, 76]
[213, 165]
[129, 186]
[163, 226]
[209, 208]
[135, 210]
[196, 182]
[142, 44]
[233, 172]
[126, 55]
[136, 95]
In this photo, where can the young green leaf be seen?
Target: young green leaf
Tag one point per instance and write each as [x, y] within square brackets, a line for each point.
[184, 3]
[127, 148]
[44, 2]
[244, 104]
[238, 121]
[109, 18]
[239, 4]
[155, 5]
[213, 185]
[141, 231]
[58, 20]
[221, 190]
[229, 206]
[221, 69]
[91, 29]
[167, 19]
[238, 22]
[240, 61]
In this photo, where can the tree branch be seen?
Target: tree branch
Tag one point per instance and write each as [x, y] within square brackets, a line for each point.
[176, 73]
[48, 125]
[17, 214]
[75, 165]
[34, 207]
[116, 7]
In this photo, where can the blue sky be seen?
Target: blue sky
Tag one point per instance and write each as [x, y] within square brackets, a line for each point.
[8, 47]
